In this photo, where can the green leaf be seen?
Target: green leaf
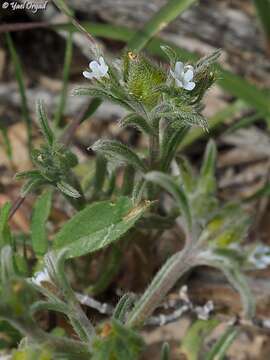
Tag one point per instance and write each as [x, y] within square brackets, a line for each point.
[136, 121]
[44, 123]
[51, 306]
[186, 117]
[214, 122]
[100, 93]
[187, 175]
[209, 161]
[31, 185]
[68, 190]
[117, 152]
[5, 235]
[34, 174]
[207, 181]
[231, 270]
[123, 307]
[98, 225]
[207, 61]
[171, 54]
[193, 341]
[222, 345]
[171, 140]
[175, 190]
[229, 231]
[40, 216]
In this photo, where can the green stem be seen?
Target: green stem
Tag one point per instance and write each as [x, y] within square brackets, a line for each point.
[153, 151]
[19, 77]
[162, 18]
[66, 71]
[153, 163]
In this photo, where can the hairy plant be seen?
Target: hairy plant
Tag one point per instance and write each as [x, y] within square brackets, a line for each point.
[163, 103]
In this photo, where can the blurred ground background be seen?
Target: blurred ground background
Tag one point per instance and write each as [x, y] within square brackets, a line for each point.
[243, 163]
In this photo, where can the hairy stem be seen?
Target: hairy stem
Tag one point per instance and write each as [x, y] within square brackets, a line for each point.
[153, 163]
[153, 151]
[165, 279]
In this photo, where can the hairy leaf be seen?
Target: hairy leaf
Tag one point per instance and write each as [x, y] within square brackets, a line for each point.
[207, 182]
[175, 190]
[137, 122]
[40, 215]
[98, 225]
[123, 307]
[44, 124]
[101, 93]
[186, 174]
[171, 139]
[117, 152]
[68, 190]
[31, 185]
[171, 54]
[231, 270]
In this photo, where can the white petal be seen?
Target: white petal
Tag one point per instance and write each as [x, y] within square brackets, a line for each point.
[188, 75]
[179, 68]
[94, 65]
[101, 61]
[40, 277]
[189, 86]
[88, 75]
[103, 69]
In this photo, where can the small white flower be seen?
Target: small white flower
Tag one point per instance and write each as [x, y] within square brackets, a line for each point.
[183, 75]
[99, 69]
[40, 277]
